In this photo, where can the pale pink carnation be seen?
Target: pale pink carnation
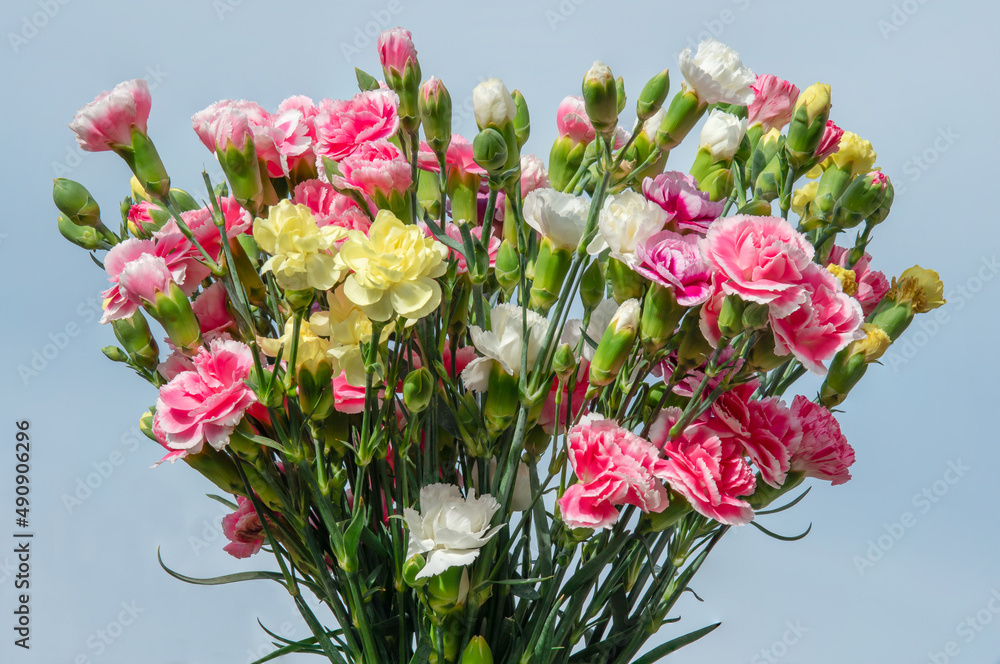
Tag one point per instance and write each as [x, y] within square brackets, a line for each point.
[139, 217]
[108, 120]
[533, 174]
[330, 207]
[243, 529]
[283, 142]
[396, 50]
[676, 261]
[688, 209]
[708, 471]
[774, 435]
[229, 122]
[830, 143]
[377, 167]
[762, 258]
[572, 120]
[144, 278]
[614, 467]
[773, 102]
[824, 452]
[206, 404]
[119, 302]
[825, 322]
[871, 284]
[343, 125]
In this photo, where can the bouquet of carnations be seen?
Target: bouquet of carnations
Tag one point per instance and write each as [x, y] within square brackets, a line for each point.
[480, 409]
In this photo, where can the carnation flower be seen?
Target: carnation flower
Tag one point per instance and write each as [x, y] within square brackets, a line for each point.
[829, 143]
[708, 471]
[626, 221]
[676, 261]
[393, 269]
[773, 102]
[614, 467]
[688, 208]
[211, 309]
[107, 121]
[449, 530]
[824, 452]
[243, 529]
[302, 253]
[283, 142]
[773, 435]
[762, 258]
[572, 120]
[458, 158]
[870, 285]
[825, 322]
[492, 103]
[230, 122]
[206, 404]
[721, 134]
[533, 174]
[344, 125]
[377, 167]
[502, 344]
[330, 207]
[396, 49]
[716, 74]
[455, 233]
[560, 217]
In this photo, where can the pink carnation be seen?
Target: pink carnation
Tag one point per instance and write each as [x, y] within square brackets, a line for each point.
[457, 158]
[825, 322]
[139, 217]
[533, 174]
[230, 122]
[708, 321]
[576, 401]
[676, 261]
[330, 207]
[396, 50]
[210, 307]
[824, 452]
[830, 143]
[454, 232]
[377, 167]
[572, 120]
[206, 404]
[774, 434]
[347, 398]
[343, 125]
[708, 471]
[773, 102]
[614, 467]
[762, 258]
[119, 301]
[108, 120]
[872, 284]
[283, 142]
[144, 278]
[688, 209]
[730, 412]
[243, 529]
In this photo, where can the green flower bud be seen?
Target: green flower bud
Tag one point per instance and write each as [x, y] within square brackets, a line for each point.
[551, 266]
[653, 94]
[147, 166]
[447, 591]
[435, 114]
[522, 121]
[731, 316]
[501, 401]
[242, 170]
[763, 357]
[600, 97]
[879, 215]
[862, 198]
[315, 389]
[660, 315]
[564, 160]
[683, 113]
[418, 388]
[593, 285]
[489, 149]
[172, 310]
[134, 335]
[74, 201]
[477, 652]
[625, 283]
[81, 236]
[507, 267]
[812, 110]
[411, 568]
[115, 354]
[564, 362]
[615, 345]
[755, 316]
[694, 349]
[832, 185]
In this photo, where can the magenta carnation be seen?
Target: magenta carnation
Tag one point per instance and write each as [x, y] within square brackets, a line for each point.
[688, 209]
[676, 261]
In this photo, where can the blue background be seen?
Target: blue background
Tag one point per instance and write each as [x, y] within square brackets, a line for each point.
[917, 78]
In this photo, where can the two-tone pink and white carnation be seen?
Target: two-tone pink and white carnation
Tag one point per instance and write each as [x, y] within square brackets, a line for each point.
[689, 210]
[344, 125]
[330, 207]
[205, 405]
[613, 467]
[108, 121]
[243, 529]
[773, 102]
[823, 452]
[676, 261]
[377, 168]
[572, 120]
[458, 158]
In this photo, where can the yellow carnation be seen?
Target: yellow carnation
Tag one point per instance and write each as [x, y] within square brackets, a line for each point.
[393, 269]
[921, 287]
[347, 327]
[854, 153]
[302, 253]
[804, 196]
[313, 349]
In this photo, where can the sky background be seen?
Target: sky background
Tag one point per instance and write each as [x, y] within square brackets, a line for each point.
[887, 575]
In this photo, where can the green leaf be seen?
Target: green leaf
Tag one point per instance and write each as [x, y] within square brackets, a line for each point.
[220, 580]
[785, 507]
[222, 500]
[783, 538]
[674, 645]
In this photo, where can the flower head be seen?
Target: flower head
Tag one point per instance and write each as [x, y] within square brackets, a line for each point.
[626, 221]
[243, 529]
[676, 261]
[572, 120]
[559, 217]
[449, 530]
[396, 50]
[688, 208]
[393, 269]
[773, 102]
[502, 344]
[108, 120]
[492, 103]
[824, 452]
[722, 134]
[377, 167]
[302, 253]
[330, 207]
[717, 74]
[343, 125]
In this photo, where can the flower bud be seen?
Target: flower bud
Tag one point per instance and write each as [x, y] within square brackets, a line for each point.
[593, 285]
[683, 113]
[625, 283]
[172, 310]
[755, 316]
[600, 96]
[398, 57]
[522, 121]
[551, 266]
[564, 362]
[115, 354]
[501, 402]
[477, 652]
[411, 568]
[660, 315]
[134, 335]
[862, 198]
[315, 389]
[492, 104]
[731, 316]
[879, 215]
[418, 387]
[147, 166]
[812, 110]
[615, 345]
[238, 159]
[447, 591]
[850, 364]
[721, 136]
[766, 149]
[653, 94]
[82, 236]
[694, 348]
[435, 114]
[763, 356]
[74, 201]
[832, 185]
[507, 267]
[489, 149]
